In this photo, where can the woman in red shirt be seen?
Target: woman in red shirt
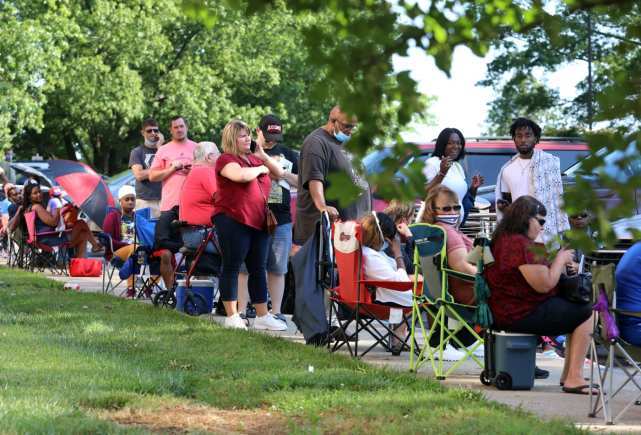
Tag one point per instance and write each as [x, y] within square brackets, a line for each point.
[524, 289]
[240, 205]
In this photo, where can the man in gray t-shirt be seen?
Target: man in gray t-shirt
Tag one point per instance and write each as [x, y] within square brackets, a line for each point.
[140, 159]
[322, 154]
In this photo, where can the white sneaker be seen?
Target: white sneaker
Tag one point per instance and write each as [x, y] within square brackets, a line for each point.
[234, 322]
[270, 323]
[479, 352]
[449, 353]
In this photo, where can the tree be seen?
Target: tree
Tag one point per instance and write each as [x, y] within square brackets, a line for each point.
[115, 63]
[370, 33]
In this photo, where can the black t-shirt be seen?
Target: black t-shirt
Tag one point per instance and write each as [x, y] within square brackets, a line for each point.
[320, 156]
[145, 189]
[279, 197]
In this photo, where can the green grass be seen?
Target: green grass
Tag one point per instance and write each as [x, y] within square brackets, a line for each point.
[68, 360]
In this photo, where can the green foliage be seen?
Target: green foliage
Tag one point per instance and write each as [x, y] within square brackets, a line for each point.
[82, 75]
[70, 359]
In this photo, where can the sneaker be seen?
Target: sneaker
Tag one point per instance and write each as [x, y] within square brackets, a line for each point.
[131, 293]
[234, 322]
[281, 317]
[449, 353]
[540, 373]
[250, 312]
[270, 323]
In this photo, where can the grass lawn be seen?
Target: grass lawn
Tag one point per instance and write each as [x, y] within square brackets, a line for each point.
[86, 363]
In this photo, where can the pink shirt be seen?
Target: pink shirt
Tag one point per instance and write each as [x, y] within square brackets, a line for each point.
[197, 197]
[172, 185]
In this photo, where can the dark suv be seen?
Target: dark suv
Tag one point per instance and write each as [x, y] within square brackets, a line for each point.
[484, 156]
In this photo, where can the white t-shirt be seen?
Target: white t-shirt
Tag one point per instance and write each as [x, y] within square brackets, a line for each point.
[380, 267]
[516, 178]
[454, 179]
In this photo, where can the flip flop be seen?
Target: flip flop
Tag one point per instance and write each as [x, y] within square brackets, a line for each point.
[585, 379]
[581, 389]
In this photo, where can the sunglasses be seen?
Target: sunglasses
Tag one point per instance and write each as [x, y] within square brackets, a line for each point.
[449, 208]
[540, 221]
[152, 130]
[580, 216]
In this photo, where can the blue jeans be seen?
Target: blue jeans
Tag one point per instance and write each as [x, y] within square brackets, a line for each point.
[280, 243]
[239, 244]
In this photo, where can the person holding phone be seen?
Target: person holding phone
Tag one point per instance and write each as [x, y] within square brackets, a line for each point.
[532, 172]
[524, 296]
[444, 168]
[172, 163]
[240, 211]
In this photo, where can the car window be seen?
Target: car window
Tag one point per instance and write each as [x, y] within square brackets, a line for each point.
[487, 165]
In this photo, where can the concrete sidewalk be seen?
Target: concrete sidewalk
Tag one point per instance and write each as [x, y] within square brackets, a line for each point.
[546, 398]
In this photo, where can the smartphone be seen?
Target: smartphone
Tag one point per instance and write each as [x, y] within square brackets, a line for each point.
[507, 197]
[252, 147]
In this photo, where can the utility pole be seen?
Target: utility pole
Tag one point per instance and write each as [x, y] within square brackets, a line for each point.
[590, 90]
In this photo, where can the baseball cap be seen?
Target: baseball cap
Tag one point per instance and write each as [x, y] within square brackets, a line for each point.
[272, 128]
[126, 190]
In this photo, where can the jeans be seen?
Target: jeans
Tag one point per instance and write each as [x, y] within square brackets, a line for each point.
[239, 244]
[280, 243]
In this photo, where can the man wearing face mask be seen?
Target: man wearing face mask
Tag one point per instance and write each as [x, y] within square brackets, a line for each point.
[140, 159]
[322, 154]
[532, 172]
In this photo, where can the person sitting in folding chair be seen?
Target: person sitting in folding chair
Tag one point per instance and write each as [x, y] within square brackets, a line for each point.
[379, 232]
[628, 295]
[120, 225]
[524, 289]
[47, 223]
[443, 208]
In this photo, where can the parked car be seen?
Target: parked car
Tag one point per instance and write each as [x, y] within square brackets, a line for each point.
[484, 156]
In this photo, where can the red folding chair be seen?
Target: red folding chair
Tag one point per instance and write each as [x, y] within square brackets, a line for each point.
[42, 256]
[352, 301]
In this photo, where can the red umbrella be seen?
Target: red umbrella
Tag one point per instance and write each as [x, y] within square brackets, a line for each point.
[84, 186]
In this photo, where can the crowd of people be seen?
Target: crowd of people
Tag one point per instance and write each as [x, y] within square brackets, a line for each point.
[245, 192]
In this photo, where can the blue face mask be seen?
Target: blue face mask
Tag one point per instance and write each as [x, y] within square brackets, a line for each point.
[385, 246]
[342, 137]
[449, 219]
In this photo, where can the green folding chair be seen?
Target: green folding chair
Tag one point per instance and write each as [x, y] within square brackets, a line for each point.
[430, 257]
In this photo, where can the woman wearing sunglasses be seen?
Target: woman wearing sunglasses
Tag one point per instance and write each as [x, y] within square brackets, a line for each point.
[524, 289]
[442, 208]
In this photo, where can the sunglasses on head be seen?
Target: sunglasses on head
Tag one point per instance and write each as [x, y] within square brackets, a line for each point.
[449, 208]
[152, 130]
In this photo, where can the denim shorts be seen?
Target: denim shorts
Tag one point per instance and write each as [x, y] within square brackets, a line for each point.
[280, 243]
[193, 237]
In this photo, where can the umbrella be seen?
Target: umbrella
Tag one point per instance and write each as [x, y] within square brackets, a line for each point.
[84, 186]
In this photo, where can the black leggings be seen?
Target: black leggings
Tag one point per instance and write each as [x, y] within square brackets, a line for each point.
[555, 316]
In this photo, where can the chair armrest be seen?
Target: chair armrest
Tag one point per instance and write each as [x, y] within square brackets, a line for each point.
[393, 285]
[460, 275]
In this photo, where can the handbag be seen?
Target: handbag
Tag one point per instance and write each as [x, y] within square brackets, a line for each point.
[576, 288]
[85, 267]
[270, 218]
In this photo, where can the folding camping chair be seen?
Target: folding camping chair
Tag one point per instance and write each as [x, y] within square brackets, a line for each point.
[42, 256]
[352, 301]
[620, 354]
[17, 248]
[430, 256]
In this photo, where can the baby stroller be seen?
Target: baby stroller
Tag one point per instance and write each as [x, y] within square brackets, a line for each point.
[194, 262]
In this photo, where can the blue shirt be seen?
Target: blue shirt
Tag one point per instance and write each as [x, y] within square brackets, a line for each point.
[628, 281]
[4, 206]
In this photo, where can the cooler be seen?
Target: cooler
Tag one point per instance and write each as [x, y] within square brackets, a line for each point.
[514, 358]
[203, 287]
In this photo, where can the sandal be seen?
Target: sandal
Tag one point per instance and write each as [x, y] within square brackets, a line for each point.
[585, 379]
[581, 389]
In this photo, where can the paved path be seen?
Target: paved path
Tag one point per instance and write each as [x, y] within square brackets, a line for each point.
[546, 398]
